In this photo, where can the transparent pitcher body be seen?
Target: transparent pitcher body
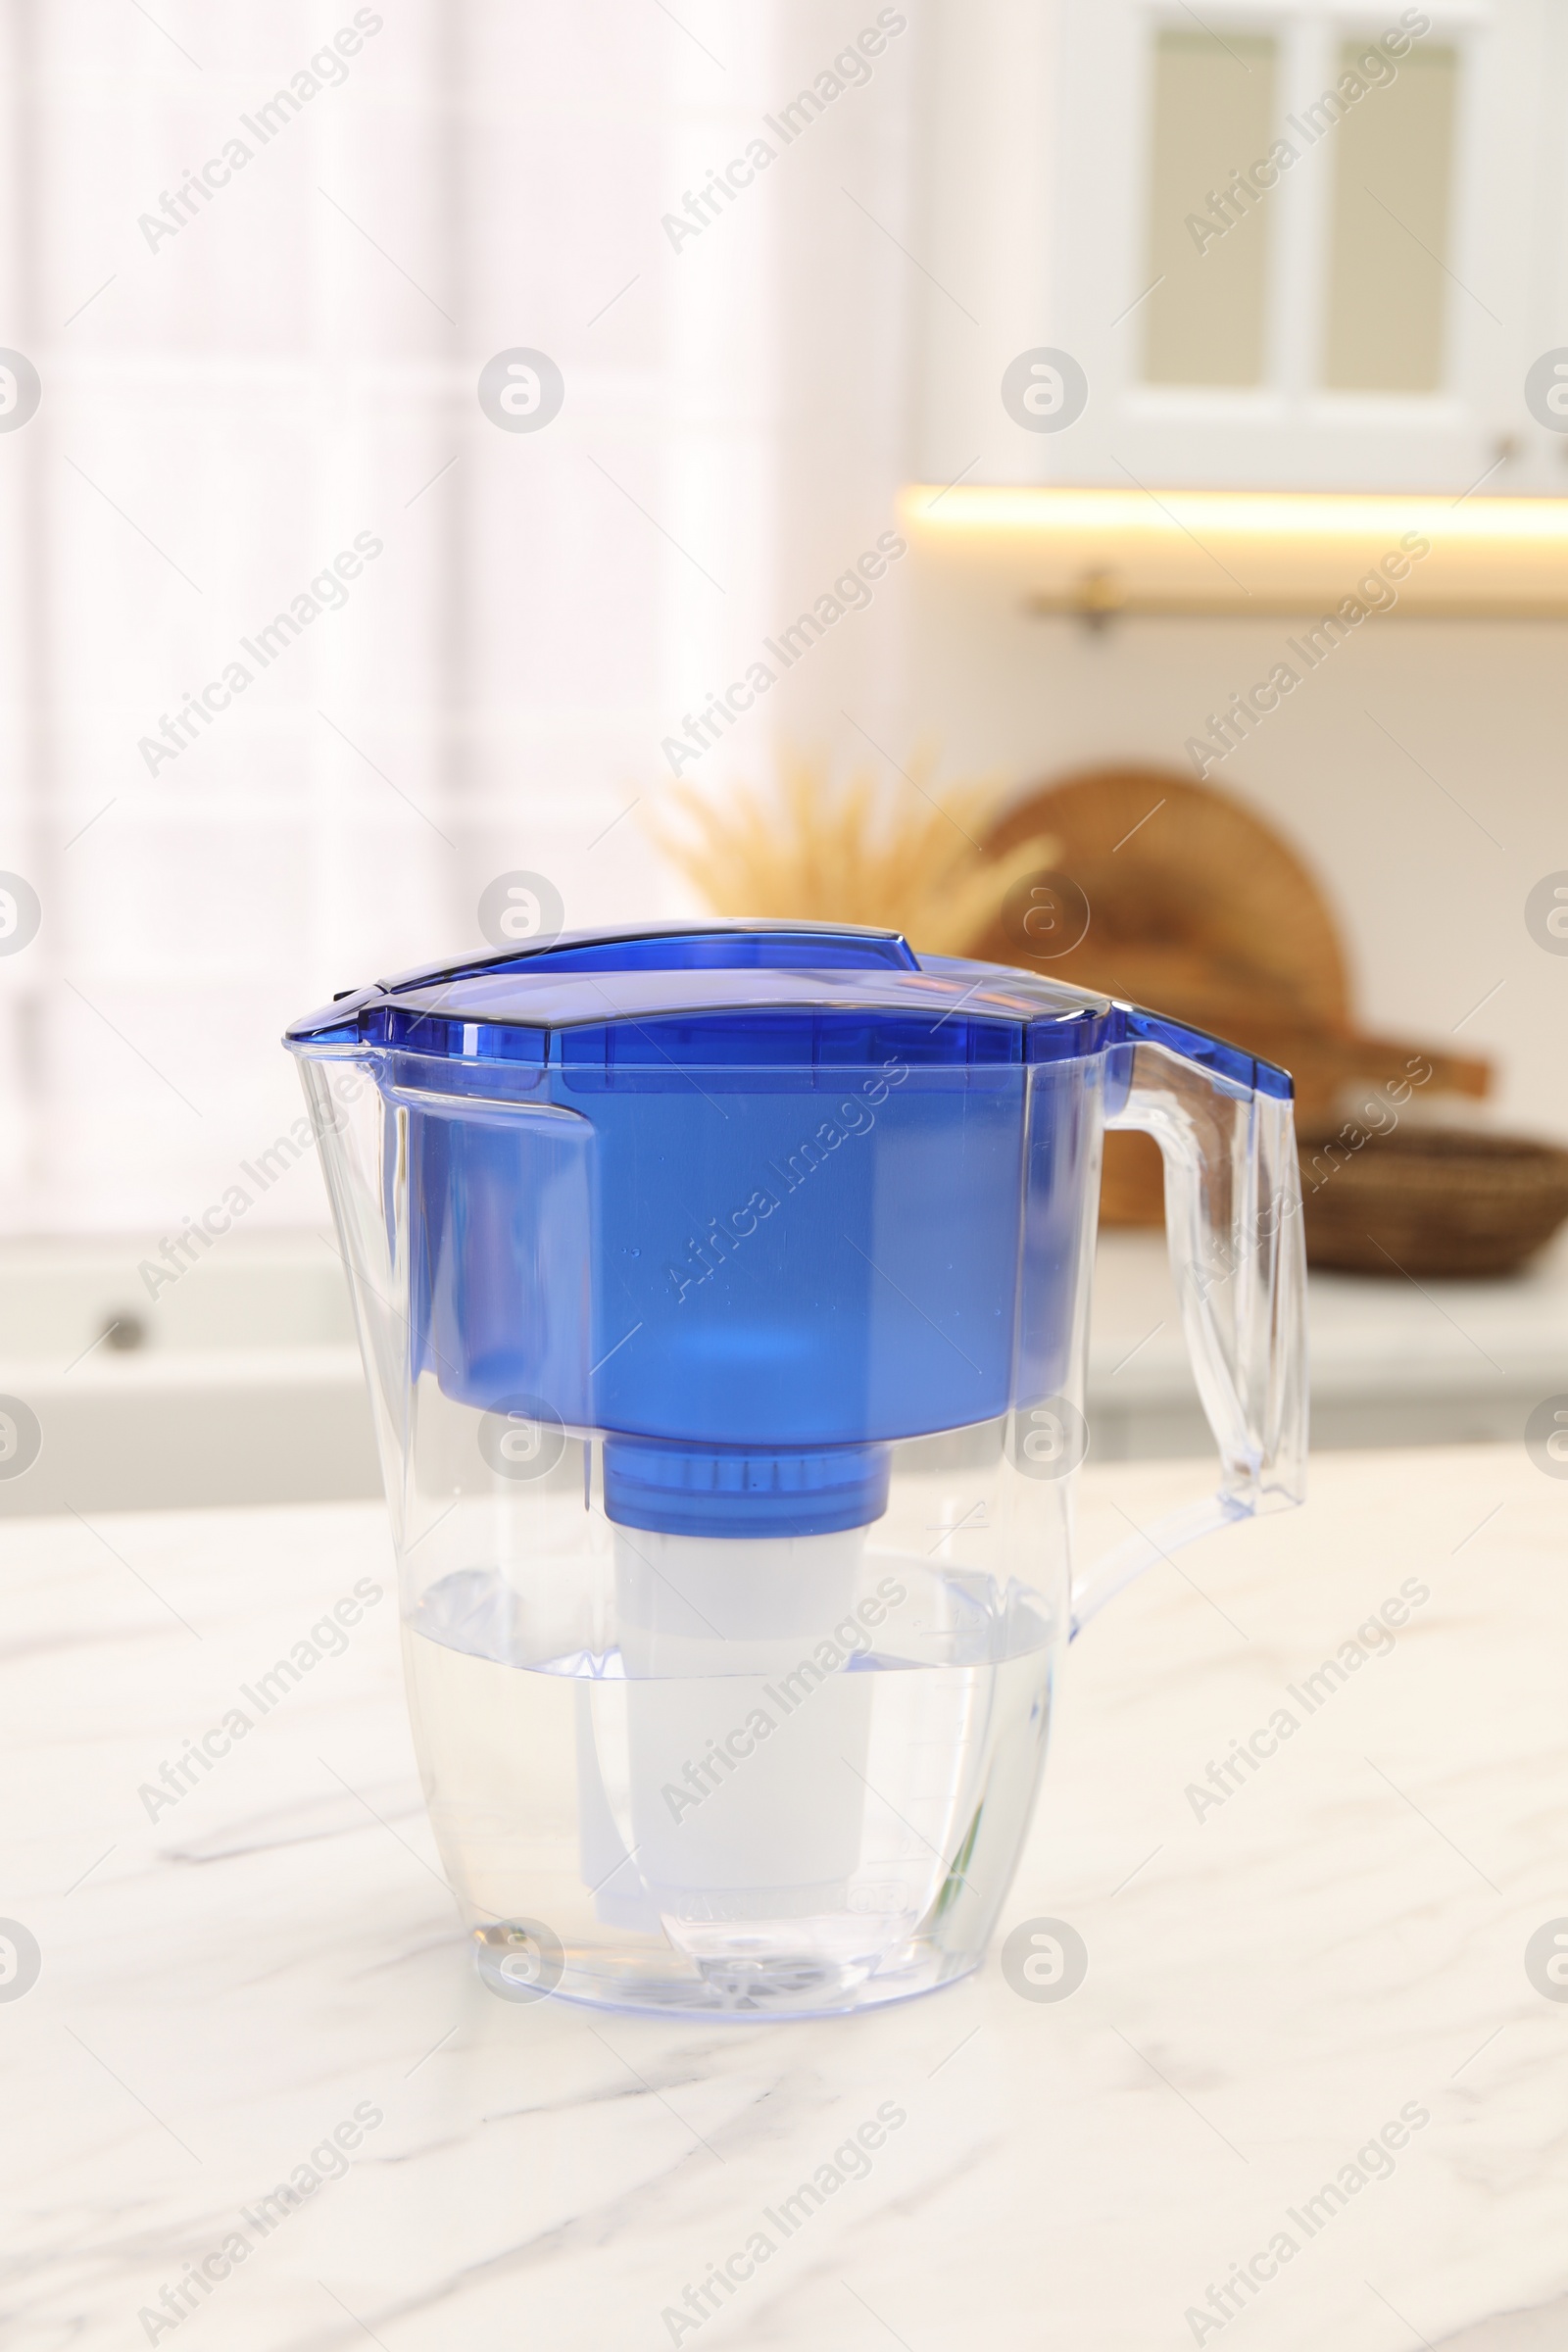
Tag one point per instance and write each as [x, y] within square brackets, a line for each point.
[728, 1372]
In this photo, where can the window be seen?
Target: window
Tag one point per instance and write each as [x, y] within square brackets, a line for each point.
[270, 389]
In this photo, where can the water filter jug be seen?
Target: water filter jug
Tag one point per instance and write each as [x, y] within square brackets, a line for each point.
[723, 1292]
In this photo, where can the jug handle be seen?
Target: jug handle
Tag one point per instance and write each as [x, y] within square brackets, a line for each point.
[1225, 1126]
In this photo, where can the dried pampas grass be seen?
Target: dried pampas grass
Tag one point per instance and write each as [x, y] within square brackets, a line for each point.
[852, 853]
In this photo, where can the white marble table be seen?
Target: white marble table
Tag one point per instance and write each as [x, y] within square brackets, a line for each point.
[1339, 1942]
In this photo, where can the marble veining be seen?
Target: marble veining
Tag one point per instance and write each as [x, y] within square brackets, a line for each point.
[259, 1984]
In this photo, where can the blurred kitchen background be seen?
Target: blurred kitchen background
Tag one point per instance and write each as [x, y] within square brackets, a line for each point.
[1063, 366]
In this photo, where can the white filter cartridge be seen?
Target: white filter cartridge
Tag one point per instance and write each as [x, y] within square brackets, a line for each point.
[748, 1723]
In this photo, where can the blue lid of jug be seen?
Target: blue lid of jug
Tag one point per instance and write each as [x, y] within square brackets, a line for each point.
[504, 1005]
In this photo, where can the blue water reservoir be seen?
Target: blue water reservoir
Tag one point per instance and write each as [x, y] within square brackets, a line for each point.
[751, 1202]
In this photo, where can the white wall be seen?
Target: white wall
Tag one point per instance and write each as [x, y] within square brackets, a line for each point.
[1431, 899]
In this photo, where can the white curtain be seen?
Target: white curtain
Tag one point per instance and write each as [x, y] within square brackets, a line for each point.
[257, 260]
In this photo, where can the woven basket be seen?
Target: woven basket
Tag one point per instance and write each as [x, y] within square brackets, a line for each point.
[1431, 1201]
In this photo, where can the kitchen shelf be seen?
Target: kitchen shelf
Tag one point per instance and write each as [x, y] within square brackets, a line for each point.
[1101, 553]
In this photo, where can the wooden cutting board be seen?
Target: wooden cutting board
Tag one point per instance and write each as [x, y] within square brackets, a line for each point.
[1189, 902]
